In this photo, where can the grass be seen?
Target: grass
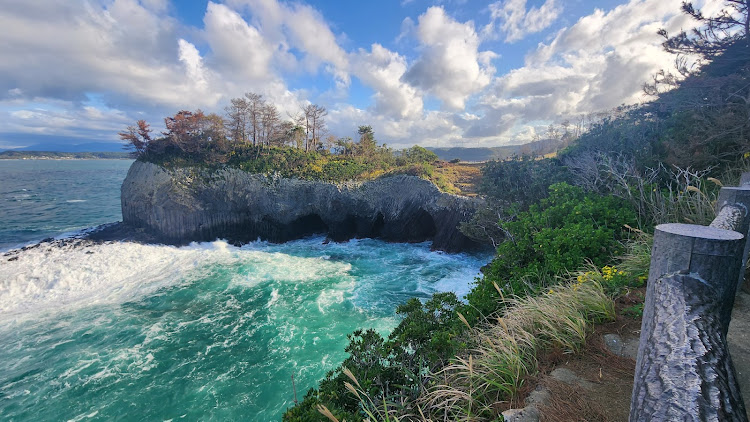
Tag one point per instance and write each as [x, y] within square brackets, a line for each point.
[457, 178]
[690, 197]
[479, 384]
[637, 257]
[385, 410]
[474, 386]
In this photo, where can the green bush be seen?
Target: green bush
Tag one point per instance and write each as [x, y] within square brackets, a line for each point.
[313, 165]
[417, 154]
[429, 335]
[520, 181]
[555, 235]
[339, 170]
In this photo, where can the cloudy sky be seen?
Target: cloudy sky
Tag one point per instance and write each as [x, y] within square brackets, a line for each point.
[436, 73]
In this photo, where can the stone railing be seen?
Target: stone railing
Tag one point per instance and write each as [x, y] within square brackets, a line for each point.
[683, 370]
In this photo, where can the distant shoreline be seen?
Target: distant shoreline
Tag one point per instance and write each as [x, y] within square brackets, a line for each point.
[51, 155]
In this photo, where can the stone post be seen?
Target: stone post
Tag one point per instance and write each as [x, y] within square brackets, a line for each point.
[739, 198]
[683, 371]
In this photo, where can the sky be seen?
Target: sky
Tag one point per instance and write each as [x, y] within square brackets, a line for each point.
[438, 73]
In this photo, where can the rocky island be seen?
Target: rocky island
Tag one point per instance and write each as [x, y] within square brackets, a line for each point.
[184, 204]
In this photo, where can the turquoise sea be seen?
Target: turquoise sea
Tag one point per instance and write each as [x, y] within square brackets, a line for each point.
[209, 331]
[43, 198]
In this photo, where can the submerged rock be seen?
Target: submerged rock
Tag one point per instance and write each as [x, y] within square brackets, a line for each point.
[196, 204]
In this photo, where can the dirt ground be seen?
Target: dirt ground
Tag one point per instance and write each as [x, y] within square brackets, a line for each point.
[603, 383]
[606, 379]
[739, 343]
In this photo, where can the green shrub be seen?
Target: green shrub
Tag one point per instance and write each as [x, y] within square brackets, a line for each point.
[505, 353]
[417, 154]
[559, 233]
[339, 170]
[313, 165]
[429, 335]
[520, 181]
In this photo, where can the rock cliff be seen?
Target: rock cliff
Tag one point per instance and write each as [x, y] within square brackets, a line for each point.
[192, 204]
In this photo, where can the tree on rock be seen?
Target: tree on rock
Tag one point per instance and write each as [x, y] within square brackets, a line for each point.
[367, 142]
[137, 137]
[238, 118]
[315, 125]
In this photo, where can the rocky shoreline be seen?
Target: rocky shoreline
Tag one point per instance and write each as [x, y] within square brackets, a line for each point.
[178, 206]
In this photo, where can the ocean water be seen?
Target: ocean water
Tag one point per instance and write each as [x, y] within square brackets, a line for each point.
[43, 198]
[209, 331]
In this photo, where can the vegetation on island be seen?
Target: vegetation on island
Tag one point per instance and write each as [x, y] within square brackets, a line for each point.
[252, 136]
[571, 232]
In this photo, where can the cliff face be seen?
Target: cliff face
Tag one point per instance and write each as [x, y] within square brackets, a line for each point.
[192, 204]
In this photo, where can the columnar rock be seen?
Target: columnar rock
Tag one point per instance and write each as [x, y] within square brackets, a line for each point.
[191, 203]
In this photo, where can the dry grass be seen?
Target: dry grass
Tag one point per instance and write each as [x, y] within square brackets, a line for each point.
[475, 387]
[482, 383]
[637, 257]
[375, 411]
[568, 404]
[659, 195]
[458, 178]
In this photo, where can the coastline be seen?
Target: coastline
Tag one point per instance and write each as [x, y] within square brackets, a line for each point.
[59, 155]
[63, 158]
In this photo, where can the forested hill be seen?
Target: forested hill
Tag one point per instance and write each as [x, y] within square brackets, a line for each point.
[476, 154]
[55, 155]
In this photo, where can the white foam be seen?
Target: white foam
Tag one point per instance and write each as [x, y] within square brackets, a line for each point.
[49, 278]
[281, 267]
[335, 295]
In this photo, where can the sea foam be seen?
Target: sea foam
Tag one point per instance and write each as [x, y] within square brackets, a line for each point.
[52, 277]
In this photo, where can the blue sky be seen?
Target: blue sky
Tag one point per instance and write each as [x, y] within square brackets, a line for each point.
[434, 73]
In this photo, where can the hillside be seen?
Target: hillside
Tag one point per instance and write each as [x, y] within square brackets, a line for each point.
[480, 154]
[55, 155]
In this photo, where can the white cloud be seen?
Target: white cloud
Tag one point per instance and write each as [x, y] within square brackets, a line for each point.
[237, 48]
[139, 62]
[407, 29]
[74, 47]
[434, 128]
[311, 33]
[135, 56]
[302, 27]
[191, 58]
[62, 118]
[451, 67]
[598, 63]
[382, 70]
[516, 22]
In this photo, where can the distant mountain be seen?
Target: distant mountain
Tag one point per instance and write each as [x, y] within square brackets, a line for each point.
[541, 147]
[56, 155]
[87, 147]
